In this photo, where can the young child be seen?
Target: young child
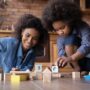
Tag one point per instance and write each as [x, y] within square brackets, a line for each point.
[65, 18]
[17, 53]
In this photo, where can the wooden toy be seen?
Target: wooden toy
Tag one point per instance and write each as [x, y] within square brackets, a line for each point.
[54, 69]
[56, 75]
[39, 75]
[38, 67]
[32, 75]
[15, 79]
[23, 75]
[15, 82]
[46, 75]
[76, 75]
[1, 74]
[55, 72]
[7, 77]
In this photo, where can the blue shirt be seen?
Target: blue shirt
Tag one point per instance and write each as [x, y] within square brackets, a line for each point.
[69, 40]
[83, 31]
[11, 55]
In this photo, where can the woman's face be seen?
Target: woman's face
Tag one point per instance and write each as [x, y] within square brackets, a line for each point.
[30, 37]
[61, 28]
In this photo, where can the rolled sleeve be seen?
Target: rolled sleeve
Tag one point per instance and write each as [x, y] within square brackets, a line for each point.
[85, 44]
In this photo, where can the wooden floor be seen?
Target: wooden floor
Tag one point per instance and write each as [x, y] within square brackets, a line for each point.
[56, 84]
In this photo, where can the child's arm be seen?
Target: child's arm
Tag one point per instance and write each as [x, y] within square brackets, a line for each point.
[71, 44]
[70, 49]
[84, 48]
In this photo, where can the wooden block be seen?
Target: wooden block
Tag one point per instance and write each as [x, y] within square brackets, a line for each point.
[0, 77]
[38, 67]
[1, 74]
[66, 75]
[76, 75]
[39, 75]
[15, 79]
[56, 75]
[23, 75]
[19, 72]
[7, 77]
[54, 69]
[1, 70]
[32, 75]
[46, 75]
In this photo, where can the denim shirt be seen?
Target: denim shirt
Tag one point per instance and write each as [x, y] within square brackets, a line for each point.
[83, 31]
[69, 40]
[11, 55]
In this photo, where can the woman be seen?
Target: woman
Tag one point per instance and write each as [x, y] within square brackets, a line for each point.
[17, 53]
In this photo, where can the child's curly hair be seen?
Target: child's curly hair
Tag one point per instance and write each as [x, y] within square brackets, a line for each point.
[61, 10]
[30, 21]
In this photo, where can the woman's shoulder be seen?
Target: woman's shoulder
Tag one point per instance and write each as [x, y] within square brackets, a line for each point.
[8, 39]
[6, 42]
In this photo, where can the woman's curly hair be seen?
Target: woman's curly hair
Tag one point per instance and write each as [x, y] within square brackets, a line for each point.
[30, 21]
[61, 10]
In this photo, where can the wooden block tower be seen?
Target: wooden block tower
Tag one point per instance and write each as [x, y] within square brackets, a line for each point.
[46, 75]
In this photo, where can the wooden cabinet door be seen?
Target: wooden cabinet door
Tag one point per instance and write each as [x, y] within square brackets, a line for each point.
[53, 52]
[53, 47]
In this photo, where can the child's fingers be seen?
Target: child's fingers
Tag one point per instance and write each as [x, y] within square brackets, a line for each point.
[50, 66]
[61, 62]
[58, 61]
[13, 69]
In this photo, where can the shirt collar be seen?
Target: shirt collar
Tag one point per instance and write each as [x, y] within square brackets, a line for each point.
[20, 52]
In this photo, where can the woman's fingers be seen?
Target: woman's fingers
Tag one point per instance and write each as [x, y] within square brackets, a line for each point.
[15, 69]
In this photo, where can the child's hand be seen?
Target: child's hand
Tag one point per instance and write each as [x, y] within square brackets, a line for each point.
[50, 66]
[57, 63]
[62, 61]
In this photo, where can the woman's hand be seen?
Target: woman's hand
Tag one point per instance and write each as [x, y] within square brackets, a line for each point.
[15, 69]
[62, 61]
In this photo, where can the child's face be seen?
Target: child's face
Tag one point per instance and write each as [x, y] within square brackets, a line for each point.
[61, 28]
[30, 37]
